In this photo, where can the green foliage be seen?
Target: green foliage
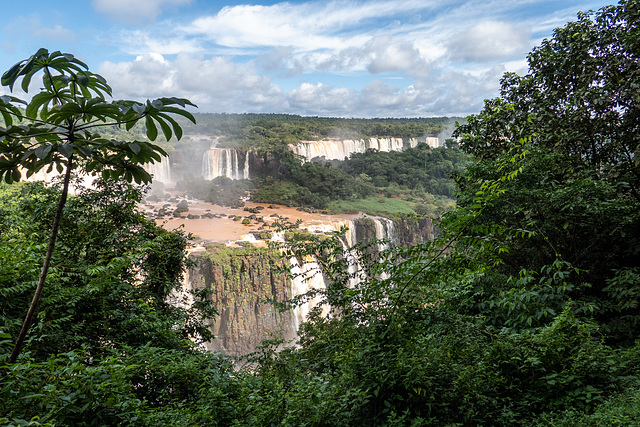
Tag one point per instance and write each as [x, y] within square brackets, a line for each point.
[577, 187]
[56, 130]
[143, 386]
[58, 123]
[414, 175]
[220, 190]
[114, 272]
[523, 310]
[422, 167]
[375, 205]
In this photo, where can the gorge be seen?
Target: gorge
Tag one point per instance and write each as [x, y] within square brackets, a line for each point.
[244, 275]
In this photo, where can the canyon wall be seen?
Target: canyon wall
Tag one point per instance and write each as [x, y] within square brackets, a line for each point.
[243, 279]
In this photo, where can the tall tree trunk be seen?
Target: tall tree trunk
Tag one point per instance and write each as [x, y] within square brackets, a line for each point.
[45, 267]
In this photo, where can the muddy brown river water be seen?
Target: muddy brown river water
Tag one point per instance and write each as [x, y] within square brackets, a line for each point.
[225, 229]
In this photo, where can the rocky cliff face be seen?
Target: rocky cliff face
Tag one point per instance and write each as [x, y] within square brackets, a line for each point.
[399, 231]
[410, 232]
[241, 281]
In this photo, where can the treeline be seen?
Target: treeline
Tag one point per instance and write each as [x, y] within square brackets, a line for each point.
[421, 167]
[258, 130]
[416, 175]
[273, 132]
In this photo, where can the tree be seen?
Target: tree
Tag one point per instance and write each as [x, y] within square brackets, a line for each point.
[56, 129]
[571, 126]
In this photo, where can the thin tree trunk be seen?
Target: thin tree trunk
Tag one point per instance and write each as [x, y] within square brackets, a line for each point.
[45, 267]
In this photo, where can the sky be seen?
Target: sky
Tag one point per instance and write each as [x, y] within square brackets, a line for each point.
[336, 58]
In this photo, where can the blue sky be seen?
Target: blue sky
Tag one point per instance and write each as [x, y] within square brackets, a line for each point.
[342, 58]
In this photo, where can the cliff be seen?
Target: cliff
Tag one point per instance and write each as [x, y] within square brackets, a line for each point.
[241, 281]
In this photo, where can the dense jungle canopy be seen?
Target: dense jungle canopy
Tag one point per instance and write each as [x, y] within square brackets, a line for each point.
[523, 311]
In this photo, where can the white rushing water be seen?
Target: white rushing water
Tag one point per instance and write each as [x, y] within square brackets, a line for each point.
[224, 162]
[161, 170]
[308, 275]
[332, 149]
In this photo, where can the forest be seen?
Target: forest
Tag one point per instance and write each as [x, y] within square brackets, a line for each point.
[522, 311]
[419, 176]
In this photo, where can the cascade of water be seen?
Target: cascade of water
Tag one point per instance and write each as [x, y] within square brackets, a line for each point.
[385, 230]
[224, 162]
[81, 180]
[246, 166]
[432, 141]
[306, 277]
[338, 150]
[161, 170]
[387, 144]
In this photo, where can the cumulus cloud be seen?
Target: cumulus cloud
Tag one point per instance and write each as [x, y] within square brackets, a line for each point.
[460, 92]
[490, 40]
[306, 26]
[321, 99]
[135, 11]
[215, 84]
[55, 33]
[138, 41]
[341, 57]
[377, 55]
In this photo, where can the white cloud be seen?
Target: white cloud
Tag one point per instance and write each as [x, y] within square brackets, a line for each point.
[490, 40]
[55, 33]
[321, 99]
[149, 76]
[306, 26]
[135, 11]
[36, 29]
[415, 57]
[387, 56]
[378, 97]
[215, 84]
[138, 41]
[460, 93]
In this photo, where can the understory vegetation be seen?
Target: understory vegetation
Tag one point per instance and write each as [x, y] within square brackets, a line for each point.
[523, 311]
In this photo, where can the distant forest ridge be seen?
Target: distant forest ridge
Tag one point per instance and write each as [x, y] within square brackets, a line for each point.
[257, 130]
[313, 127]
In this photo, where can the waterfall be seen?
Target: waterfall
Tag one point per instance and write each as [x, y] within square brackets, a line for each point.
[386, 144]
[80, 179]
[161, 170]
[245, 171]
[384, 231]
[332, 149]
[433, 141]
[224, 162]
[240, 288]
[329, 149]
[306, 277]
